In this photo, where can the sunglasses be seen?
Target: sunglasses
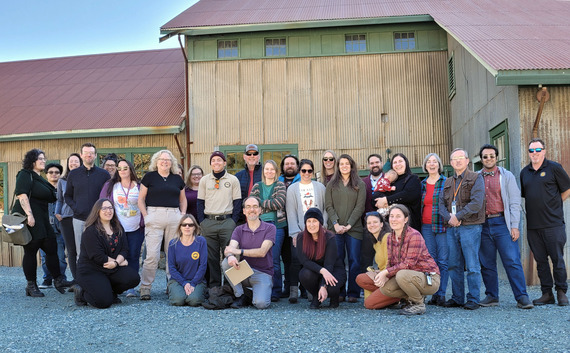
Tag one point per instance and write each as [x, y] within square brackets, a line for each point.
[122, 168]
[329, 159]
[252, 154]
[187, 225]
[306, 171]
[489, 156]
[537, 150]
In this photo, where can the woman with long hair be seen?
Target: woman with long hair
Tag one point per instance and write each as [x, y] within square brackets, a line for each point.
[377, 228]
[123, 192]
[161, 201]
[195, 173]
[434, 228]
[272, 195]
[344, 200]
[323, 272]
[411, 273]
[408, 190]
[328, 167]
[65, 214]
[33, 194]
[187, 262]
[102, 268]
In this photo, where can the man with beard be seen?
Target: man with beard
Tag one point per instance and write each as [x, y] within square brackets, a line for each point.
[371, 182]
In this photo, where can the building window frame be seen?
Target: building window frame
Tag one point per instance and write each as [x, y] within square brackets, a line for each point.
[355, 43]
[451, 76]
[234, 155]
[4, 187]
[499, 137]
[405, 41]
[129, 154]
[228, 50]
[275, 46]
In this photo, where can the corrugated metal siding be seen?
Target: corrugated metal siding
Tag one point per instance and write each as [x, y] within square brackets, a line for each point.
[326, 102]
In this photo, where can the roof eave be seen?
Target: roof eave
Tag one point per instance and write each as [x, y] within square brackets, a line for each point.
[257, 27]
[132, 131]
[532, 77]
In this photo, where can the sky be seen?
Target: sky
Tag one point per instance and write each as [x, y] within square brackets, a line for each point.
[37, 29]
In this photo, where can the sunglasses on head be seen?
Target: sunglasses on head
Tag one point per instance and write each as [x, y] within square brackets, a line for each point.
[187, 225]
[328, 159]
[306, 171]
[537, 150]
[251, 153]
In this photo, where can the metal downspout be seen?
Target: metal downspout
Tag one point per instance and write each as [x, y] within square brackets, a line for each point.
[187, 106]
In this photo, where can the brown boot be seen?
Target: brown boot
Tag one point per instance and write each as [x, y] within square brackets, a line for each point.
[562, 298]
[547, 298]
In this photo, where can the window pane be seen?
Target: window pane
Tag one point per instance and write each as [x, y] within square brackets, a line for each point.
[235, 162]
[141, 162]
[412, 43]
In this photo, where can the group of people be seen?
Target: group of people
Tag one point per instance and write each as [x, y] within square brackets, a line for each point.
[402, 238]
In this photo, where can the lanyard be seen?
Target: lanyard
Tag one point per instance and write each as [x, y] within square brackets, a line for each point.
[127, 193]
[456, 190]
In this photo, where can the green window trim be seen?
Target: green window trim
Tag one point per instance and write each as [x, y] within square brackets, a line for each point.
[4, 187]
[234, 155]
[276, 47]
[227, 48]
[405, 41]
[499, 137]
[451, 76]
[131, 154]
[355, 43]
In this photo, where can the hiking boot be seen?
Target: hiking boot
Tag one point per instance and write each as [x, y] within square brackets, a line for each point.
[293, 294]
[45, 284]
[547, 298]
[562, 298]
[489, 301]
[414, 309]
[145, 293]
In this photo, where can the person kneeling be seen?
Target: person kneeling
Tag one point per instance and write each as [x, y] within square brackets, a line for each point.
[252, 242]
[187, 262]
[323, 273]
[411, 272]
[102, 270]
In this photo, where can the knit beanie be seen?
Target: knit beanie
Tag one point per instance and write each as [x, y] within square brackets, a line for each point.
[217, 154]
[314, 213]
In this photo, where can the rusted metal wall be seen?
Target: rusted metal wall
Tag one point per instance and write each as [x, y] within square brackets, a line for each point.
[13, 152]
[324, 103]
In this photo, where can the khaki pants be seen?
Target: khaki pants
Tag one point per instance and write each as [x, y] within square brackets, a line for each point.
[411, 285]
[161, 224]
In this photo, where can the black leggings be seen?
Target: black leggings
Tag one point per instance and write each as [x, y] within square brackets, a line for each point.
[312, 281]
[30, 262]
[99, 288]
[69, 239]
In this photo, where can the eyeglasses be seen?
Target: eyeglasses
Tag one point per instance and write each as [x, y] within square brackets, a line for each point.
[251, 207]
[42, 159]
[537, 150]
[458, 158]
[54, 172]
[165, 159]
[187, 225]
[120, 169]
[306, 171]
[196, 174]
[489, 156]
[107, 208]
[329, 159]
[251, 153]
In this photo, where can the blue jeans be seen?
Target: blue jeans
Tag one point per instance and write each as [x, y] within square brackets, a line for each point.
[60, 255]
[496, 236]
[260, 284]
[276, 250]
[352, 246]
[436, 244]
[464, 243]
[135, 240]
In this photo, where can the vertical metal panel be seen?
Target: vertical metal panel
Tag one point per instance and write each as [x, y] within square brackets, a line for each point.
[203, 93]
[251, 105]
[299, 87]
[275, 125]
[227, 101]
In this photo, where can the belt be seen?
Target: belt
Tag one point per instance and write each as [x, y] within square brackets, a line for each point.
[220, 217]
[500, 214]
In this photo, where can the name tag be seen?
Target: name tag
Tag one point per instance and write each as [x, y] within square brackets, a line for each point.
[453, 207]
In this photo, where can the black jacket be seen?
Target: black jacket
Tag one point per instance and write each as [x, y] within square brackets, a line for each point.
[83, 189]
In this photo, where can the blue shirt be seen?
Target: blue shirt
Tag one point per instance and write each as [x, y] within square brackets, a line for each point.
[187, 264]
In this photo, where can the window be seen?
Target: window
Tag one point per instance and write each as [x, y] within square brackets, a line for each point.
[3, 188]
[227, 49]
[234, 155]
[276, 47]
[355, 43]
[140, 157]
[404, 41]
[499, 137]
[451, 76]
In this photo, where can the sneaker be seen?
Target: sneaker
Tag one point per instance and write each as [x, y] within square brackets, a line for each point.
[145, 293]
[489, 301]
[471, 306]
[524, 303]
[131, 293]
[413, 309]
[45, 284]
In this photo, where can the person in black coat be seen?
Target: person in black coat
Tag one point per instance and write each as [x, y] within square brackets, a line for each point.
[102, 271]
[323, 273]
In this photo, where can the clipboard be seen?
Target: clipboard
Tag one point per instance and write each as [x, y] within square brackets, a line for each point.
[237, 276]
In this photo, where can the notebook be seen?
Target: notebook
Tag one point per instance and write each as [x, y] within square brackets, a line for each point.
[236, 276]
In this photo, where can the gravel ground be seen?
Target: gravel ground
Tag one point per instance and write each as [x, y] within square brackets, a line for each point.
[55, 324]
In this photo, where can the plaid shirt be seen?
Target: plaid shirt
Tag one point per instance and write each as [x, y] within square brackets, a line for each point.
[410, 253]
[437, 222]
